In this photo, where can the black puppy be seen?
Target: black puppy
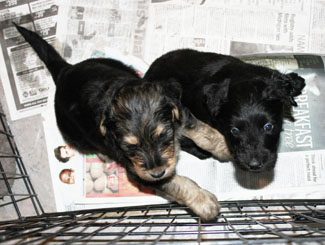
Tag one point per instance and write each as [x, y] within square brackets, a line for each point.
[102, 106]
[244, 102]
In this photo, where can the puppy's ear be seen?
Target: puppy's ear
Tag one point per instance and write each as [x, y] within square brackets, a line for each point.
[215, 94]
[106, 125]
[102, 126]
[176, 114]
[285, 87]
[297, 84]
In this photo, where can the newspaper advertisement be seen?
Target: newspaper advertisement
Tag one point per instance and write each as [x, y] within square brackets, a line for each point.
[25, 80]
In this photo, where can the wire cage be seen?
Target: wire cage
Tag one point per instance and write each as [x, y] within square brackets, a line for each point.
[13, 171]
[251, 221]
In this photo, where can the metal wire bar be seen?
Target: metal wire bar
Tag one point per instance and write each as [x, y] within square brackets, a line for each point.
[6, 133]
[9, 156]
[84, 236]
[46, 226]
[12, 197]
[13, 175]
[16, 200]
[130, 231]
[50, 236]
[251, 224]
[167, 227]
[233, 228]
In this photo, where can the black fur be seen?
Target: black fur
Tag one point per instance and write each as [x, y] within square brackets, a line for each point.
[105, 94]
[244, 102]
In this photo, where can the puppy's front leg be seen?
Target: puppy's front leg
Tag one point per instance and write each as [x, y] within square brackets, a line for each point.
[185, 191]
[209, 139]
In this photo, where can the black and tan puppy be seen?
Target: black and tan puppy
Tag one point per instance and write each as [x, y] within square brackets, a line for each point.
[244, 102]
[103, 107]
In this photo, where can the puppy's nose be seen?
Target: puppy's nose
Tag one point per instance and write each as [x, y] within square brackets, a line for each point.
[158, 175]
[254, 164]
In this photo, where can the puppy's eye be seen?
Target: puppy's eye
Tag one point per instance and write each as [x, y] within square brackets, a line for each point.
[130, 147]
[268, 127]
[234, 131]
[163, 135]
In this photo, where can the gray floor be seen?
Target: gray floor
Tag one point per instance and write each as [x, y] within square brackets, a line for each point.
[29, 137]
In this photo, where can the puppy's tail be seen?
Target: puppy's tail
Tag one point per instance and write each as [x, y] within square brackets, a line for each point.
[53, 61]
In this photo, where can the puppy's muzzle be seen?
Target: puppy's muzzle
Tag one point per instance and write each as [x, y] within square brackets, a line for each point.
[157, 174]
[255, 165]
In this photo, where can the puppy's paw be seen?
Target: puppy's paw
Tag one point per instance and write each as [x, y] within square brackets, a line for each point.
[221, 152]
[205, 205]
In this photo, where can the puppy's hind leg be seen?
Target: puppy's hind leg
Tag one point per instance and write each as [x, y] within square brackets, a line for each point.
[185, 191]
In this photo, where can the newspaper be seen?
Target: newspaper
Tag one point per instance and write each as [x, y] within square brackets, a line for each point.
[137, 32]
[300, 167]
[147, 29]
[96, 28]
[25, 80]
[235, 27]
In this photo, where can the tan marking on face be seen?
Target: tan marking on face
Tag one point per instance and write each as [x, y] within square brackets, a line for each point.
[137, 162]
[171, 162]
[168, 153]
[160, 128]
[131, 139]
[102, 127]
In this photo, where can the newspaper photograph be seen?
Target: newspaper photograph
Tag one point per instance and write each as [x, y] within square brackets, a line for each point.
[109, 179]
[25, 80]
